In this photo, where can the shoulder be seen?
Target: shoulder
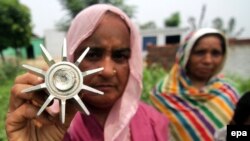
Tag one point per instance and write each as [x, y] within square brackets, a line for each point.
[154, 124]
[228, 88]
[229, 84]
[151, 114]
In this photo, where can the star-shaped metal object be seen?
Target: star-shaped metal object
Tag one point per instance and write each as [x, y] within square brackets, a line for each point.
[63, 80]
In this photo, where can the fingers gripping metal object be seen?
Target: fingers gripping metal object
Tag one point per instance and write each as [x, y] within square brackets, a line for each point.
[63, 80]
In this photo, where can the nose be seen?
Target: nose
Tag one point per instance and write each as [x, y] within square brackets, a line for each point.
[109, 67]
[208, 58]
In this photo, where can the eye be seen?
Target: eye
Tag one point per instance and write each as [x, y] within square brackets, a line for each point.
[121, 55]
[94, 54]
[199, 52]
[216, 53]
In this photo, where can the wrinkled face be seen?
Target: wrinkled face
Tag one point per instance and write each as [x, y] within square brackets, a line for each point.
[205, 58]
[110, 49]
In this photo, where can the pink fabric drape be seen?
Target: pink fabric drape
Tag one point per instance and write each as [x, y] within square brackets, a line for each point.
[146, 125]
[117, 125]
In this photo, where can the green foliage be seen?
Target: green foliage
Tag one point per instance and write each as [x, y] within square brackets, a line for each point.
[218, 24]
[4, 99]
[173, 21]
[228, 29]
[15, 24]
[8, 72]
[75, 6]
[148, 25]
[151, 75]
[231, 25]
[240, 83]
[244, 85]
[15, 18]
[192, 20]
[128, 9]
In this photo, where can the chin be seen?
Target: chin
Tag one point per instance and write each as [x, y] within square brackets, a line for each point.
[204, 78]
[100, 100]
[102, 105]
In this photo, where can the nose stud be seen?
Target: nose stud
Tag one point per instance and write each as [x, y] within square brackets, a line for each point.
[114, 71]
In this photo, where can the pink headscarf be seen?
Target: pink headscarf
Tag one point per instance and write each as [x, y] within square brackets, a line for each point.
[116, 127]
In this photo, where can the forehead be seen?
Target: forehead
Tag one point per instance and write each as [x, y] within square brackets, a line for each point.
[110, 14]
[111, 28]
[210, 40]
[112, 23]
[111, 32]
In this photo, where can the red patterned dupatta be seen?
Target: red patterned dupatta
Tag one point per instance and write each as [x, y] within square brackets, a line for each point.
[194, 113]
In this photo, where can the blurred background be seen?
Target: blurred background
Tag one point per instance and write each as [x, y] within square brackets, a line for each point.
[163, 24]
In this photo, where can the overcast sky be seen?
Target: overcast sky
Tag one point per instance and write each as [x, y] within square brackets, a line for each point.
[45, 13]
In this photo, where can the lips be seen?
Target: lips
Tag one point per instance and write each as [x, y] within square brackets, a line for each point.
[104, 87]
[205, 70]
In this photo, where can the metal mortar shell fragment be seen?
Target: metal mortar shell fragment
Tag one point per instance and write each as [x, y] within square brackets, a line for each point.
[63, 80]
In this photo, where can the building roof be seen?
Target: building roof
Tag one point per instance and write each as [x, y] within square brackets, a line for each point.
[166, 31]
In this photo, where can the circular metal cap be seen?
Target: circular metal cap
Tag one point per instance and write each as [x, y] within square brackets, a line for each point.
[64, 79]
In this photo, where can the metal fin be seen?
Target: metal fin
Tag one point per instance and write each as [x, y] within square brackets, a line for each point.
[79, 101]
[85, 87]
[47, 57]
[45, 104]
[88, 72]
[79, 60]
[64, 50]
[34, 88]
[63, 109]
[35, 70]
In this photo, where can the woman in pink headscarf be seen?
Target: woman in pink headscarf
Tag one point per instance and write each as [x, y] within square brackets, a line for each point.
[118, 115]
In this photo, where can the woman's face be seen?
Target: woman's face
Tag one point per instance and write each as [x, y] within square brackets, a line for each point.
[205, 58]
[110, 49]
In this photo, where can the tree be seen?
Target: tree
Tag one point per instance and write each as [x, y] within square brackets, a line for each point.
[75, 6]
[229, 30]
[203, 11]
[173, 20]
[15, 25]
[148, 25]
[192, 20]
[217, 23]
[231, 25]
[4, 41]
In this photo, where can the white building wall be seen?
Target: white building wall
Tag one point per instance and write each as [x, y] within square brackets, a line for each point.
[160, 39]
[53, 42]
[238, 61]
[161, 34]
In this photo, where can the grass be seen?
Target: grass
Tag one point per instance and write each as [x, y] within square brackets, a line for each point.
[151, 75]
[240, 83]
[4, 98]
[8, 72]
